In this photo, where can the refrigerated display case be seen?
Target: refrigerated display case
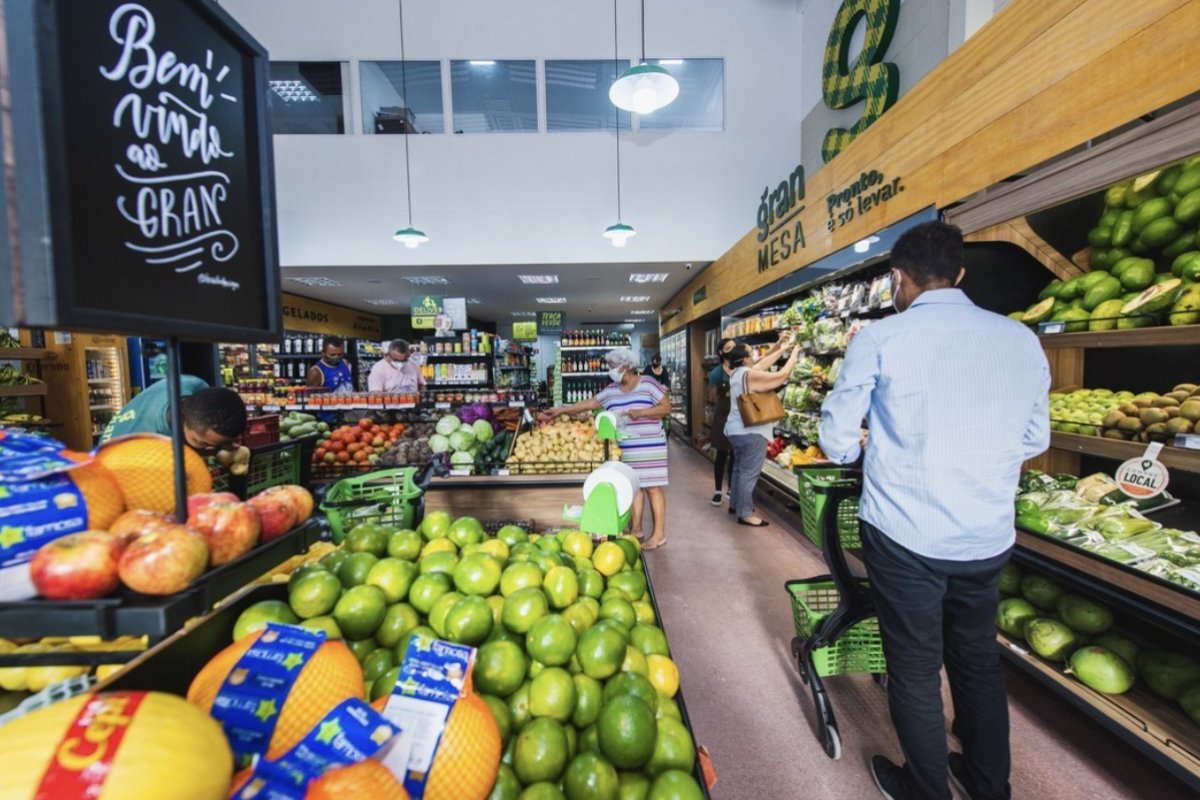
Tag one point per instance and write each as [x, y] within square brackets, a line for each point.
[87, 378]
[674, 351]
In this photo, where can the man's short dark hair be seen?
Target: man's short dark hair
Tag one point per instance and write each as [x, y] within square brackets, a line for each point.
[332, 341]
[737, 357]
[930, 254]
[220, 410]
[399, 345]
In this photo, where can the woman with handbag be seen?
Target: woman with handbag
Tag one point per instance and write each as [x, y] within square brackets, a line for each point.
[754, 408]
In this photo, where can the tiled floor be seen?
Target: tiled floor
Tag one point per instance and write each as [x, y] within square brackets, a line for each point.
[720, 588]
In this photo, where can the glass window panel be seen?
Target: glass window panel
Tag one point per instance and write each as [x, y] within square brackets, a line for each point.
[306, 97]
[383, 101]
[577, 95]
[701, 102]
[494, 96]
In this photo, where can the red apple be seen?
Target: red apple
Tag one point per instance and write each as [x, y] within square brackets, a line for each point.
[198, 501]
[137, 522]
[164, 561]
[78, 566]
[277, 511]
[230, 529]
[301, 498]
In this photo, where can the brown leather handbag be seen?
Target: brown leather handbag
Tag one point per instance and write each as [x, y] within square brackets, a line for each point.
[758, 408]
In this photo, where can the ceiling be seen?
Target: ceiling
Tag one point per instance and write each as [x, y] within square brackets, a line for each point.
[593, 291]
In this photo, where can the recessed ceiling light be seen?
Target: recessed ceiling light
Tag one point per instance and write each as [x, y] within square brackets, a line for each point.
[542, 279]
[382, 302]
[552, 300]
[294, 91]
[636, 298]
[427, 280]
[649, 277]
[315, 281]
[524, 313]
[643, 312]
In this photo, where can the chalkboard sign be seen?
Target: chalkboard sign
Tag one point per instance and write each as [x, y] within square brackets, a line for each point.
[158, 165]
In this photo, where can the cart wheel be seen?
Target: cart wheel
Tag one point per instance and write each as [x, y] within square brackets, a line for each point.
[797, 646]
[880, 678]
[832, 742]
[802, 668]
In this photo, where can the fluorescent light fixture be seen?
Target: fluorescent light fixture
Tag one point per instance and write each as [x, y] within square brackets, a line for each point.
[551, 301]
[474, 301]
[427, 280]
[482, 63]
[643, 312]
[542, 279]
[636, 298]
[524, 313]
[382, 302]
[863, 245]
[670, 62]
[315, 281]
[294, 91]
[410, 238]
[644, 89]
[628, 326]
[649, 277]
[619, 233]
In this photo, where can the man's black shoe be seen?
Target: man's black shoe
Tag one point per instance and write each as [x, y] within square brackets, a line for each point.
[960, 778]
[889, 778]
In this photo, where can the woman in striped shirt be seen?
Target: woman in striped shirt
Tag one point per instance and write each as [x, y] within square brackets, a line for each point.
[640, 403]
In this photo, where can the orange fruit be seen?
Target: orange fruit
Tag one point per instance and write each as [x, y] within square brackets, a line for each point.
[143, 466]
[331, 675]
[366, 779]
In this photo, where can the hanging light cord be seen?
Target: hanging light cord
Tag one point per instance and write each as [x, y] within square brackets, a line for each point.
[643, 31]
[616, 109]
[407, 107]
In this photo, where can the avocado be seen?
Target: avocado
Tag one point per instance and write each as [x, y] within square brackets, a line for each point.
[1186, 310]
[1107, 288]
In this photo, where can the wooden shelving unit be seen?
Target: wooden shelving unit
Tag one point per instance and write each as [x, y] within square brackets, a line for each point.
[1163, 336]
[29, 390]
[1173, 457]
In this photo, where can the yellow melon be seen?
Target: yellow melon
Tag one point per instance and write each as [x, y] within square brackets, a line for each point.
[143, 466]
[167, 743]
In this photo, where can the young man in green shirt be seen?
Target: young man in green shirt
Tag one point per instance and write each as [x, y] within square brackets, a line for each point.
[212, 418]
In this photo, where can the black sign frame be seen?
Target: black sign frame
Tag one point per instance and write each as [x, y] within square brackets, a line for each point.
[60, 304]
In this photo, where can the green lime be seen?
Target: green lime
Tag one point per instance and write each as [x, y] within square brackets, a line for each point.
[356, 567]
[404, 545]
[384, 684]
[601, 651]
[469, 621]
[470, 548]
[367, 538]
[535, 667]
[440, 610]
[631, 583]
[466, 530]
[668, 708]
[393, 577]
[306, 568]
[631, 547]
[634, 786]
[552, 694]
[522, 551]
[523, 608]
[359, 611]
[496, 549]
[580, 617]
[377, 662]
[589, 740]
[609, 558]
[635, 661]
[543, 790]
[589, 699]
[401, 648]
[478, 574]
[578, 543]
[502, 634]
[260, 614]
[425, 591]
[619, 611]
[544, 560]
[627, 728]
[327, 624]
[362, 647]
[541, 752]
[632, 684]
[501, 714]
[520, 576]
[593, 605]
[512, 535]
[613, 593]
[333, 561]
[438, 546]
[561, 586]
[439, 562]
[591, 582]
[675, 784]
[645, 613]
[590, 777]
[496, 603]
[518, 706]
[500, 668]
[673, 748]
[572, 741]
[649, 639]
[551, 640]
[549, 544]
[507, 787]
[435, 525]
[398, 621]
[314, 594]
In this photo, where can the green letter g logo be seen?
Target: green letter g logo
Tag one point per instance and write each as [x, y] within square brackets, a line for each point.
[869, 78]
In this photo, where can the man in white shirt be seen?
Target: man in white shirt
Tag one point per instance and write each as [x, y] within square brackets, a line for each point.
[396, 372]
[955, 399]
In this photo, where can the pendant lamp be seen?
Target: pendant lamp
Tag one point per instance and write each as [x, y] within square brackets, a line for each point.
[410, 237]
[644, 88]
[619, 232]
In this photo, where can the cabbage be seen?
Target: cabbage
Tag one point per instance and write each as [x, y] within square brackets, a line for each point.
[462, 439]
[448, 425]
[462, 459]
[439, 443]
[482, 429]
[475, 411]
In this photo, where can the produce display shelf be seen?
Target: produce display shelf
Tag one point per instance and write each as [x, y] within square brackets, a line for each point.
[804, 441]
[1173, 457]
[23, 353]
[1138, 337]
[130, 613]
[1154, 727]
[25, 390]
[762, 337]
[781, 478]
[1160, 602]
[68, 658]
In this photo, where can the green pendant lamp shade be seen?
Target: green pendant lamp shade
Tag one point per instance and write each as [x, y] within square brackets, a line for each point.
[643, 89]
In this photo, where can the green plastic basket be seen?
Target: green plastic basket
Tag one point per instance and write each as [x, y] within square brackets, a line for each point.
[387, 497]
[858, 650]
[274, 468]
[812, 506]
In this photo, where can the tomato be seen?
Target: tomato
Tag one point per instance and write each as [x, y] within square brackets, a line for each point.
[365, 422]
[337, 446]
[319, 454]
[343, 457]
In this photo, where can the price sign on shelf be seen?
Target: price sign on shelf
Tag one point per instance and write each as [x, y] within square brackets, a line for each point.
[1145, 476]
[1052, 327]
[441, 405]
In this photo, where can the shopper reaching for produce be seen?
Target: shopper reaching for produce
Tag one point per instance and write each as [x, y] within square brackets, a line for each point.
[956, 398]
[641, 403]
[396, 371]
[212, 417]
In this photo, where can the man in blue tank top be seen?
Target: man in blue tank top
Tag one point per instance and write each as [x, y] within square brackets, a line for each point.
[331, 372]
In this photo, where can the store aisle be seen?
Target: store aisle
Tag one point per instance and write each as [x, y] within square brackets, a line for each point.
[720, 588]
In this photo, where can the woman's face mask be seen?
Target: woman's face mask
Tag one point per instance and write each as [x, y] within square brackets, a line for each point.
[615, 374]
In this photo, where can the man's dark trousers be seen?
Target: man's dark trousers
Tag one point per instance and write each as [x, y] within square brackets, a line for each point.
[933, 611]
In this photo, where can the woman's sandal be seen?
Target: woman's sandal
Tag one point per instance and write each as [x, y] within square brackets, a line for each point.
[762, 523]
[647, 547]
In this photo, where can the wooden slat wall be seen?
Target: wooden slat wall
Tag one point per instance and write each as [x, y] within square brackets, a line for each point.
[1041, 77]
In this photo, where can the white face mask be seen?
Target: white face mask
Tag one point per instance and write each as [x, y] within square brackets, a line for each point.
[615, 374]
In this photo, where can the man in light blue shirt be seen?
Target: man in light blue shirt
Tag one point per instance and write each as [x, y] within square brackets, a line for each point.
[955, 399]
